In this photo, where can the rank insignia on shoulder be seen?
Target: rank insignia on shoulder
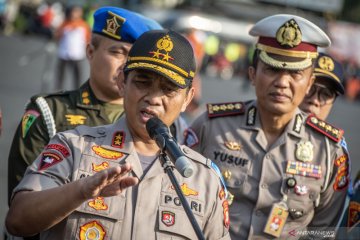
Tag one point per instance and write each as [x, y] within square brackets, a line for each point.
[325, 128]
[225, 109]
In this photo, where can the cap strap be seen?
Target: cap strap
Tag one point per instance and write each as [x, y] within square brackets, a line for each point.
[289, 53]
[285, 65]
[327, 73]
[173, 75]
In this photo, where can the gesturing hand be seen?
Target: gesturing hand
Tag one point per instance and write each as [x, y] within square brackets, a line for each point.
[107, 183]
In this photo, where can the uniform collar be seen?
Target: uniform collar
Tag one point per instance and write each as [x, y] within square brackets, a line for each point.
[125, 145]
[87, 98]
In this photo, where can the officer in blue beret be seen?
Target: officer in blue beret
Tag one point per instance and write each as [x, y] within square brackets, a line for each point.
[96, 102]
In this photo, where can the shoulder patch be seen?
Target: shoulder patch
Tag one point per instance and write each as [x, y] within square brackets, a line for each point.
[27, 120]
[190, 138]
[325, 128]
[225, 109]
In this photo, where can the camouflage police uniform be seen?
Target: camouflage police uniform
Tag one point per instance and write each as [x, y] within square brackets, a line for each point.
[297, 183]
[47, 114]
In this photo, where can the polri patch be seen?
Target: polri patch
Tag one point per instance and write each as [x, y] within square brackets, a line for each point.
[106, 153]
[92, 230]
[225, 109]
[27, 120]
[353, 215]
[60, 148]
[325, 128]
[49, 159]
[118, 139]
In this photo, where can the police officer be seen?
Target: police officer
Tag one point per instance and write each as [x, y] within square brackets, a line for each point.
[96, 102]
[327, 87]
[286, 172]
[67, 191]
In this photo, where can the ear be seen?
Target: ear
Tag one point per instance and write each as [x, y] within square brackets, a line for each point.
[252, 73]
[189, 96]
[90, 49]
[120, 81]
[311, 81]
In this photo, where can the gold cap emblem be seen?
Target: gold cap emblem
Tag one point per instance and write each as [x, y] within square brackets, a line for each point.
[326, 63]
[113, 25]
[164, 46]
[304, 151]
[289, 34]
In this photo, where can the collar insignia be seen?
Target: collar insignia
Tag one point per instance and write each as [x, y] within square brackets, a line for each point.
[118, 139]
[289, 34]
[232, 145]
[250, 121]
[298, 123]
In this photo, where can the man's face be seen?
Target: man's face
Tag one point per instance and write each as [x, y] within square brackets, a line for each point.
[320, 99]
[279, 92]
[148, 94]
[106, 67]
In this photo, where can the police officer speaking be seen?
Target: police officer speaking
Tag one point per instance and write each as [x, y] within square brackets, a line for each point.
[286, 171]
[72, 189]
[96, 102]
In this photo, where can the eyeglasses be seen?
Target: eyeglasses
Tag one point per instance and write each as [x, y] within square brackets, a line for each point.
[324, 94]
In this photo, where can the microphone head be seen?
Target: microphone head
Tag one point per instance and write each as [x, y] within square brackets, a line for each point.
[155, 126]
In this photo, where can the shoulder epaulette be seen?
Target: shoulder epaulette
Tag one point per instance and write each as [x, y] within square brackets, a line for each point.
[45, 95]
[325, 128]
[225, 109]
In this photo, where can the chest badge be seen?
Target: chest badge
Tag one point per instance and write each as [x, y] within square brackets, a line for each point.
[99, 167]
[168, 218]
[301, 190]
[92, 230]
[186, 190]
[106, 153]
[304, 151]
[232, 145]
[98, 204]
[75, 119]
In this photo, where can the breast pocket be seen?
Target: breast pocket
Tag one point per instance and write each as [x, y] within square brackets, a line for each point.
[174, 224]
[97, 218]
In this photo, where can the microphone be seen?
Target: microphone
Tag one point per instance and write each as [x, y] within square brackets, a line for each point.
[158, 131]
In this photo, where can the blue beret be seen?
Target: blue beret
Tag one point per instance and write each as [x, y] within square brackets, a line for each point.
[122, 25]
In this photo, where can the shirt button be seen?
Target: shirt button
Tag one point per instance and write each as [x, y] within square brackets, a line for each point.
[238, 182]
[101, 131]
[264, 185]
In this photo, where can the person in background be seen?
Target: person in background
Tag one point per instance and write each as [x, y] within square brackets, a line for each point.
[96, 102]
[329, 76]
[72, 188]
[72, 36]
[287, 172]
